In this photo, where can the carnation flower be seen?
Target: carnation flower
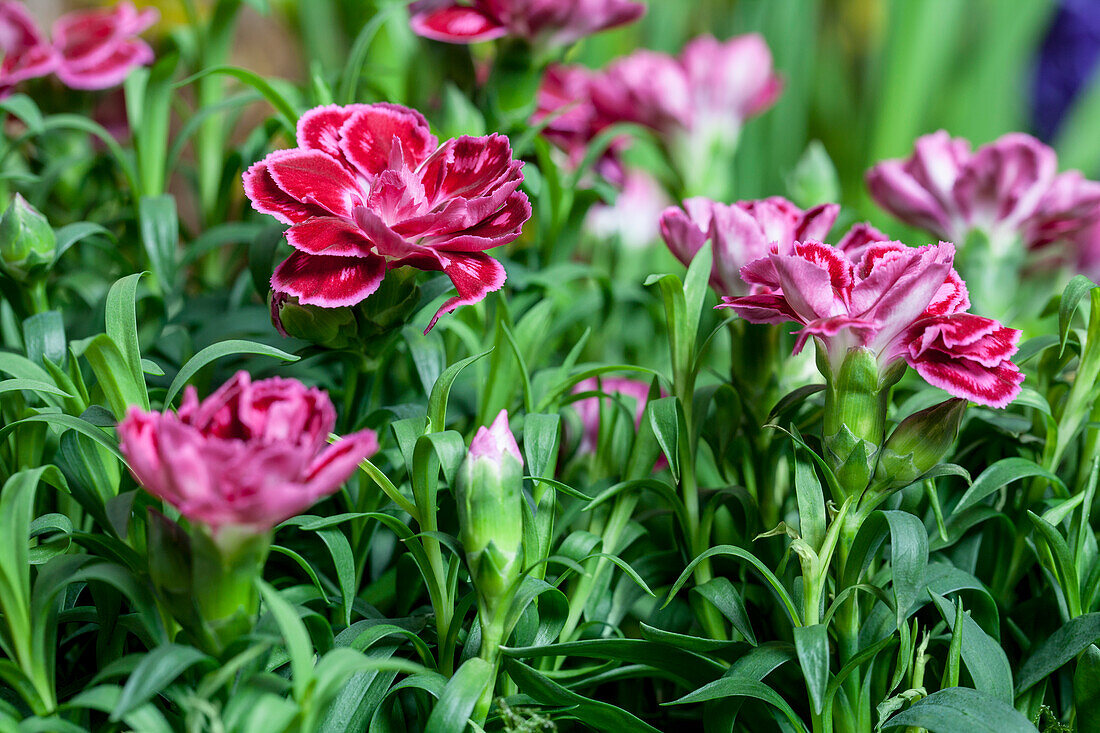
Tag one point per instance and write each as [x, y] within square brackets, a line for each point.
[369, 188]
[24, 51]
[545, 22]
[898, 302]
[248, 456]
[97, 49]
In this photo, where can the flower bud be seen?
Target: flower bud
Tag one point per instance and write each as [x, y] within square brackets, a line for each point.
[27, 242]
[919, 443]
[490, 509]
[332, 328]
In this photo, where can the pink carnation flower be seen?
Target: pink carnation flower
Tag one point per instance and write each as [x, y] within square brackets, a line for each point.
[369, 188]
[97, 49]
[711, 89]
[900, 302]
[545, 22]
[1009, 188]
[24, 51]
[251, 455]
[740, 233]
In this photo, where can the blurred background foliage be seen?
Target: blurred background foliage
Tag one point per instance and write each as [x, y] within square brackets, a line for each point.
[865, 77]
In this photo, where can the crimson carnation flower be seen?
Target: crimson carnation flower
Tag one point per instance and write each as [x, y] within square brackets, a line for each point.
[369, 188]
[97, 49]
[548, 22]
[900, 302]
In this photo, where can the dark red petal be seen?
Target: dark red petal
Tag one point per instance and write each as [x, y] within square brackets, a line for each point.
[328, 235]
[329, 282]
[268, 198]
[313, 177]
[456, 23]
[474, 275]
[368, 137]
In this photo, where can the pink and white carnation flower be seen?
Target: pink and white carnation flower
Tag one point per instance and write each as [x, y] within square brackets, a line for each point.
[369, 188]
[901, 303]
[541, 22]
[249, 456]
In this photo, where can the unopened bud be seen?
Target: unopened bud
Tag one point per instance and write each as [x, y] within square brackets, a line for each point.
[333, 328]
[27, 242]
[489, 493]
[814, 180]
[919, 443]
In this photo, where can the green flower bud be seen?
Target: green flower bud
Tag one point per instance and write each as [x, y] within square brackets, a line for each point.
[27, 242]
[919, 443]
[332, 328]
[489, 493]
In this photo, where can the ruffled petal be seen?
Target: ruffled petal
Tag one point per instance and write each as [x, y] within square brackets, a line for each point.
[474, 275]
[994, 387]
[468, 167]
[268, 198]
[369, 136]
[313, 177]
[326, 281]
[329, 235]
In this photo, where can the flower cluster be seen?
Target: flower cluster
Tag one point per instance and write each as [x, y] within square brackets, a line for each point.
[249, 456]
[369, 188]
[541, 22]
[91, 49]
[1009, 190]
[901, 303]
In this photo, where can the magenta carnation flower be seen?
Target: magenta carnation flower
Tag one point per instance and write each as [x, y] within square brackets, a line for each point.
[369, 188]
[588, 409]
[97, 49]
[250, 455]
[24, 51]
[546, 22]
[900, 302]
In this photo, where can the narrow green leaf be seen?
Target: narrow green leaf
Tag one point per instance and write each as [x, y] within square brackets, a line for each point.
[232, 347]
[157, 669]
[812, 645]
[1002, 472]
[460, 696]
[1060, 647]
[297, 640]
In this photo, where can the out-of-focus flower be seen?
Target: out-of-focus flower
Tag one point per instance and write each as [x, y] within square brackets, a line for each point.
[950, 191]
[24, 51]
[633, 218]
[696, 102]
[1008, 192]
[541, 22]
[895, 302]
[740, 233]
[1066, 62]
[247, 457]
[369, 188]
[588, 409]
[97, 49]
[565, 97]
